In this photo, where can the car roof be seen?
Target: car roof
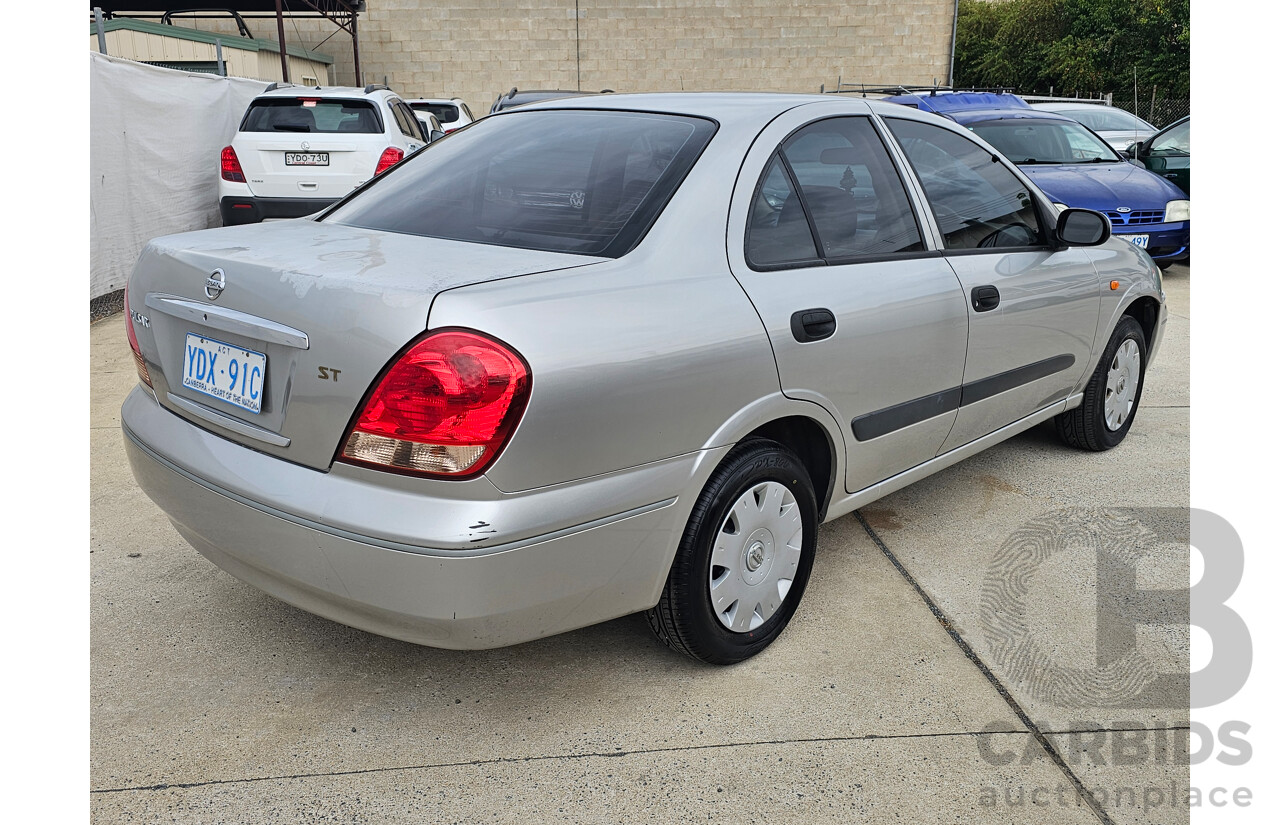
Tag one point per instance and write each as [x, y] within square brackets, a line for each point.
[325, 91]
[974, 107]
[451, 101]
[730, 109]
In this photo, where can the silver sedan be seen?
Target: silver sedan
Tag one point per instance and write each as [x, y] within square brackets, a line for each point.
[603, 355]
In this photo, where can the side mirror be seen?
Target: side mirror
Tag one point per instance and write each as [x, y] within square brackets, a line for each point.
[1083, 227]
[436, 134]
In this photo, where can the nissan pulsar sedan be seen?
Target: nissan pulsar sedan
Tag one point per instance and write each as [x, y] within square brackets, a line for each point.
[617, 354]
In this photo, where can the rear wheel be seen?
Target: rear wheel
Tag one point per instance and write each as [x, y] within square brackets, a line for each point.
[744, 559]
[1111, 397]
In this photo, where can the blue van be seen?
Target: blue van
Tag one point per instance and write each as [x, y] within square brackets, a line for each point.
[1073, 166]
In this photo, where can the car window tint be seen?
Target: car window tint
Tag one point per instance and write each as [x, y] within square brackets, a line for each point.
[1176, 141]
[778, 231]
[852, 192]
[405, 120]
[288, 114]
[978, 202]
[568, 181]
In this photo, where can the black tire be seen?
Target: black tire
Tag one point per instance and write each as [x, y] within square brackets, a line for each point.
[684, 618]
[1085, 427]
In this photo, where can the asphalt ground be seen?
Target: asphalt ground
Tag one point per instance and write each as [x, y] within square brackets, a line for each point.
[953, 660]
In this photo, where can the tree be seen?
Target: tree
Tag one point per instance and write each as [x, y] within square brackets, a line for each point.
[1075, 45]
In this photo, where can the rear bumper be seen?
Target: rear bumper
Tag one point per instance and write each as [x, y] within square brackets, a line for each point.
[237, 209]
[503, 588]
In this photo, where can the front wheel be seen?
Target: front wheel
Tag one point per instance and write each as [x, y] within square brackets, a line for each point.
[1111, 397]
[744, 558]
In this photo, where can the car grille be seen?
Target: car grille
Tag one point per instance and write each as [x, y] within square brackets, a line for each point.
[1140, 218]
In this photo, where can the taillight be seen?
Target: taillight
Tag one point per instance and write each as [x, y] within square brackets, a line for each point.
[390, 157]
[446, 407]
[231, 166]
[138, 361]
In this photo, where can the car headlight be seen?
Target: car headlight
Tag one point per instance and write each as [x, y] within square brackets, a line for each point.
[1062, 207]
[1177, 211]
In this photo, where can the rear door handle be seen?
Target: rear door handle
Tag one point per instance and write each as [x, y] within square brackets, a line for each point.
[985, 298]
[813, 324]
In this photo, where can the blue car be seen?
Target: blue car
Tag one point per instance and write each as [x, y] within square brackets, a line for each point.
[1074, 167]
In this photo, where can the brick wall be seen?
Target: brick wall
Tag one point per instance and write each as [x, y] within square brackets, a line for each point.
[476, 49]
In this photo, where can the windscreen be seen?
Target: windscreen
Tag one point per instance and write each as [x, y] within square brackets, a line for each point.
[444, 112]
[303, 114]
[578, 181]
[1044, 141]
[1107, 119]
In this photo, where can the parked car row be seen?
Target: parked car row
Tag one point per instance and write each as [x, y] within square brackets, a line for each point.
[620, 354]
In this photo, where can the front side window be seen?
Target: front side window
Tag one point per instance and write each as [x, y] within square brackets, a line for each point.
[303, 114]
[978, 202]
[833, 181]
[1176, 141]
[585, 182]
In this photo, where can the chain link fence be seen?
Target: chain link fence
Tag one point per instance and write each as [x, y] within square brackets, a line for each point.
[1159, 112]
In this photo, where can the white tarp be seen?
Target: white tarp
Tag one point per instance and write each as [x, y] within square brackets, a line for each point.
[156, 136]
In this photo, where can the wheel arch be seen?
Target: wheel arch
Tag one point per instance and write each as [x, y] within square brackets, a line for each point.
[813, 445]
[1146, 311]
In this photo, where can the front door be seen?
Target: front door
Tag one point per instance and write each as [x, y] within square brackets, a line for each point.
[1033, 310]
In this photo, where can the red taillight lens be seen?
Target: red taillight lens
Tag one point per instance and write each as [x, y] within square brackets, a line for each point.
[138, 361]
[231, 166]
[446, 407]
[390, 157]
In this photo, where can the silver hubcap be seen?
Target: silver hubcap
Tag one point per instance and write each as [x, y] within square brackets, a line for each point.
[756, 554]
[1122, 384]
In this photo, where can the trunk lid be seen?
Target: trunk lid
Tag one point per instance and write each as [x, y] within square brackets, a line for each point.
[325, 307]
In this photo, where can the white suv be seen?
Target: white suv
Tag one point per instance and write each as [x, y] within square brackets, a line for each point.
[301, 148]
[452, 112]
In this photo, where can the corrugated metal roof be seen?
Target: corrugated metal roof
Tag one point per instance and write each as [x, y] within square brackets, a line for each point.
[229, 41]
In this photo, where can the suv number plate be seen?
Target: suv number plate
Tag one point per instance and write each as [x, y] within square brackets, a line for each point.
[232, 374]
[306, 158]
[1139, 241]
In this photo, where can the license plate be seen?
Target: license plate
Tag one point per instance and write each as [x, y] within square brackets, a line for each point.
[227, 373]
[306, 158]
[1139, 241]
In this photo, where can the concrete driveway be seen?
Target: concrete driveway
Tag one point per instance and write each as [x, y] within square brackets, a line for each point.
[901, 691]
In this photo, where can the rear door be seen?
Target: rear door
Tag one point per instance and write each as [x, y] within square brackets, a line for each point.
[1032, 309]
[293, 147]
[864, 318]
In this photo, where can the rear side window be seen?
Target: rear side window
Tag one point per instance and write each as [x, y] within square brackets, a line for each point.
[978, 202]
[300, 114]
[444, 112]
[832, 181]
[586, 182]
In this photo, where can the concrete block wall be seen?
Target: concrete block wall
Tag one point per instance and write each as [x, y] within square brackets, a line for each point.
[477, 49]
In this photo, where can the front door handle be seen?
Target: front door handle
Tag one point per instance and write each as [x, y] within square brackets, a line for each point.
[813, 324]
[985, 298]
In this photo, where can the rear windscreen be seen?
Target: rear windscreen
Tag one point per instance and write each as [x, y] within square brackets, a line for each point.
[586, 182]
[444, 112]
[288, 114]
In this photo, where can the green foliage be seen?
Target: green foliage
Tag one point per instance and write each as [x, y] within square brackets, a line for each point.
[1088, 46]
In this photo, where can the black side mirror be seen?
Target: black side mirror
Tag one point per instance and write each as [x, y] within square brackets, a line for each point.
[1083, 227]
